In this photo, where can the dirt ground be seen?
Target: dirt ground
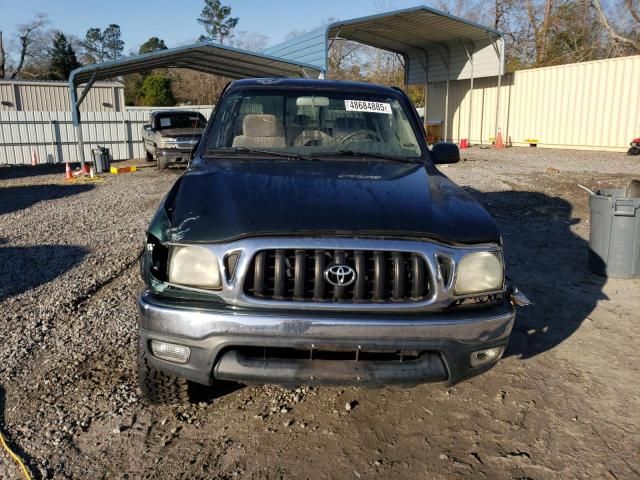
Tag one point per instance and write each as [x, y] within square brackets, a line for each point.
[563, 403]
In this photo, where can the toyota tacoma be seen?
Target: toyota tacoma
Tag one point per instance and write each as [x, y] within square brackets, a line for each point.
[313, 240]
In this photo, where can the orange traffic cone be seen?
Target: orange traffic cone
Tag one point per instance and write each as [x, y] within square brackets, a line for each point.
[67, 172]
[464, 143]
[499, 142]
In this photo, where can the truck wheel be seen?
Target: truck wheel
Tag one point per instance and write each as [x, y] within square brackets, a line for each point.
[148, 157]
[162, 163]
[159, 388]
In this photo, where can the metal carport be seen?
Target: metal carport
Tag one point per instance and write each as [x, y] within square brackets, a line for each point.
[434, 46]
[204, 57]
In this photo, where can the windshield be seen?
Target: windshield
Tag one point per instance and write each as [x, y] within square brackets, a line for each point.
[180, 120]
[304, 124]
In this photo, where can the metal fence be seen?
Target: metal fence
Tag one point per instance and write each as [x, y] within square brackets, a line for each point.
[591, 105]
[52, 137]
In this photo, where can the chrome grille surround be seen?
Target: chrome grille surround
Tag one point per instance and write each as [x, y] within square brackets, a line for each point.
[435, 255]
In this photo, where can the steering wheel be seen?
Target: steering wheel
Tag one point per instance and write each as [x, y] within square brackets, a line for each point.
[365, 134]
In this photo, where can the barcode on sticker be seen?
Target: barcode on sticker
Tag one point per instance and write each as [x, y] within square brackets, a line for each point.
[363, 106]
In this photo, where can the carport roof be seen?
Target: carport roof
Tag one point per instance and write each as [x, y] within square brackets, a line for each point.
[436, 46]
[415, 27]
[207, 57]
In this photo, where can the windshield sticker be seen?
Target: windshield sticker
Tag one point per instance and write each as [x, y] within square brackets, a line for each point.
[362, 106]
[165, 122]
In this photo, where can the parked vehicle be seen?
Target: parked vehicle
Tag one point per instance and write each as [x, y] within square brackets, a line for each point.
[171, 135]
[312, 240]
[635, 147]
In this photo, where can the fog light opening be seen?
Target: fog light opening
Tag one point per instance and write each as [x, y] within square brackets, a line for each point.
[170, 351]
[484, 357]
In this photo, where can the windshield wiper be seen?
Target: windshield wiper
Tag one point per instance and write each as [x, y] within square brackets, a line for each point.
[289, 155]
[355, 153]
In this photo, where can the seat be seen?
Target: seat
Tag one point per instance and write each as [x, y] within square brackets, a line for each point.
[260, 131]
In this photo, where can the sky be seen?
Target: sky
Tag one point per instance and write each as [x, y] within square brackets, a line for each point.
[174, 21]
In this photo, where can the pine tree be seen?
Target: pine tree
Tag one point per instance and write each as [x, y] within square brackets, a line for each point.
[62, 57]
[101, 45]
[113, 44]
[152, 45]
[217, 21]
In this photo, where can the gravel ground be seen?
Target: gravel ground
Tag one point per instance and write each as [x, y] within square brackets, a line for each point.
[560, 405]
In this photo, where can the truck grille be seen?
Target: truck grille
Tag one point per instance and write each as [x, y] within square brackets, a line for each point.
[299, 275]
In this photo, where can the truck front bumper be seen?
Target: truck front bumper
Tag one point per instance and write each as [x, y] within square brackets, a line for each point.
[174, 155]
[296, 348]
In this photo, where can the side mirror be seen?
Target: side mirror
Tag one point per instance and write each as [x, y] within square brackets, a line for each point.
[147, 127]
[444, 152]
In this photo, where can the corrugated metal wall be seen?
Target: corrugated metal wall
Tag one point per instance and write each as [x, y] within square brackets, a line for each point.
[51, 96]
[52, 135]
[590, 105]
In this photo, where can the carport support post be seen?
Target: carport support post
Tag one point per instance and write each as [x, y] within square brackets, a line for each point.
[78, 128]
[500, 67]
[446, 111]
[75, 116]
[75, 111]
[470, 100]
[470, 57]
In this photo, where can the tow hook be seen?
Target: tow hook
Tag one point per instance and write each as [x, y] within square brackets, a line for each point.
[518, 298]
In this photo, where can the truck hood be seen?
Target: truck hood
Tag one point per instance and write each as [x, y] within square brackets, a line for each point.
[180, 132]
[222, 200]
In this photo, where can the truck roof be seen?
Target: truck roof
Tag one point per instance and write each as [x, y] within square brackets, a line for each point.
[313, 84]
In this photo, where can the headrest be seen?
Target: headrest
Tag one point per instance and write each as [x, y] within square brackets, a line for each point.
[260, 125]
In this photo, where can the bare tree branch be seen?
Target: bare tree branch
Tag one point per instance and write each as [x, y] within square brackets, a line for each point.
[635, 44]
[2, 56]
[634, 13]
[25, 35]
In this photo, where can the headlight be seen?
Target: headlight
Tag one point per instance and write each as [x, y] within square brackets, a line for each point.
[194, 266]
[168, 142]
[479, 272]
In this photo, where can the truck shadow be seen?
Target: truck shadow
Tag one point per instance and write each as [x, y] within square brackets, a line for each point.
[548, 262]
[15, 448]
[24, 268]
[16, 198]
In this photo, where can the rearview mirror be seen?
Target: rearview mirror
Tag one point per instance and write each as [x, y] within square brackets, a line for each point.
[147, 126]
[444, 152]
[312, 101]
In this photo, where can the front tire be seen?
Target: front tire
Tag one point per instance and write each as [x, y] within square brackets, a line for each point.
[148, 157]
[159, 388]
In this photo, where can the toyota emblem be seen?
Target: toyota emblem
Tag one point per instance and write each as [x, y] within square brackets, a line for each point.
[340, 275]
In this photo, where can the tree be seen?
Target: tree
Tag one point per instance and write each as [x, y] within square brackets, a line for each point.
[113, 44]
[62, 57]
[156, 91]
[152, 45]
[629, 39]
[29, 38]
[101, 45]
[255, 42]
[3, 57]
[217, 21]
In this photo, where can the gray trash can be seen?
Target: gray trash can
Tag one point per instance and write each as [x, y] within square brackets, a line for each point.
[100, 159]
[614, 236]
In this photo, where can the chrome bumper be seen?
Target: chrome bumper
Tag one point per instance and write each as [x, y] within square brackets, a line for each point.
[172, 154]
[208, 331]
